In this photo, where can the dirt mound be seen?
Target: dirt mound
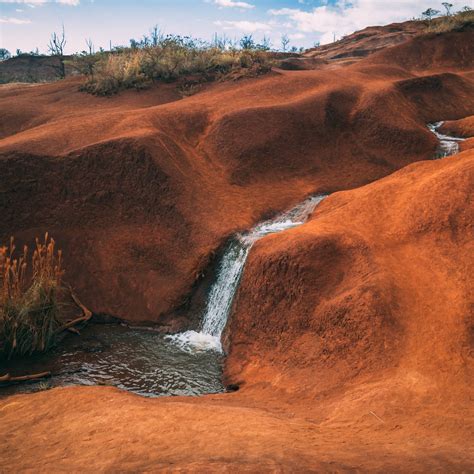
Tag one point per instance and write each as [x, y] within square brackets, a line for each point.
[378, 279]
[351, 341]
[31, 68]
[366, 42]
[302, 64]
[431, 52]
[461, 128]
[137, 188]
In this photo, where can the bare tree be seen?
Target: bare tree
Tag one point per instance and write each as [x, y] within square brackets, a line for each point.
[90, 46]
[285, 41]
[448, 7]
[155, 36]
[56, 46]
[266, 43]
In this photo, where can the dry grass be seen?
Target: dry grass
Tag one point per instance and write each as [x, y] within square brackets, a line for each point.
[29, 303]
[454, 22]
[171, 59]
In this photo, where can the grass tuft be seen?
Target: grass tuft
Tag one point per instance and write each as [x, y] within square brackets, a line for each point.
[29, 303]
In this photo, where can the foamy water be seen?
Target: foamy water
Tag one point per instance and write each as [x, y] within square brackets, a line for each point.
[447, 145]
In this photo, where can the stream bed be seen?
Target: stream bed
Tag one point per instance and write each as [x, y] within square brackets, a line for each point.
[150, 364]
[139, 361]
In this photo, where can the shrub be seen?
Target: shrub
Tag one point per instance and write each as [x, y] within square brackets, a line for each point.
[84, 63]
[168, 59]
[457, 21]
[29, 298]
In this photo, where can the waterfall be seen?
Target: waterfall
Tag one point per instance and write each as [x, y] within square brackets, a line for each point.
[222, 292]
[230, 270]
[447, 145]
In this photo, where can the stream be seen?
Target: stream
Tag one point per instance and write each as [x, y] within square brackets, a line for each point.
[151, 364]
[146, 362]
[447, 145]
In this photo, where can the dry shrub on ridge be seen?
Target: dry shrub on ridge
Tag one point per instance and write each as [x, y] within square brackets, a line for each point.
[457, 21]
[173, 58]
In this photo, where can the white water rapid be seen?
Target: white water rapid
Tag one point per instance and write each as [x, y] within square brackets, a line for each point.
[222, 292]
[447, 145]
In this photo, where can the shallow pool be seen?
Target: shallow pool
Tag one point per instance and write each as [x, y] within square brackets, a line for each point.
[139, 361]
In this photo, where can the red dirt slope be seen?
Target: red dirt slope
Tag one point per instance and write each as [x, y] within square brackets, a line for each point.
[366, 42]
[138, 189]
[352, 340]
[381, 277]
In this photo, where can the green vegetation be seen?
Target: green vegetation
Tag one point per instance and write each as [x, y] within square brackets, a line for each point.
[29, 303]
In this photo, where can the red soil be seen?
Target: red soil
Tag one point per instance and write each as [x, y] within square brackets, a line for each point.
[137, 188]
[351, 337]
[363, 43]
[351, 340]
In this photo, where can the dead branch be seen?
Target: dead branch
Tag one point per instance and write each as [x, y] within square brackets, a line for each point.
[23, 378]
[86, 313]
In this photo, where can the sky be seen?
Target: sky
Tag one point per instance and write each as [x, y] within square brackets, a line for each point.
[28, 24]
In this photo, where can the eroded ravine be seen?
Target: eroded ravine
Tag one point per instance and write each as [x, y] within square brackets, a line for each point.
[188, 363]
[148, 363]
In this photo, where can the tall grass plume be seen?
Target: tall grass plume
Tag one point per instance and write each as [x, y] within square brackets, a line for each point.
[30, 289]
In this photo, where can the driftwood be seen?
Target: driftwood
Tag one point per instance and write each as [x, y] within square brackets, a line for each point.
[23, 378]
[86, 314]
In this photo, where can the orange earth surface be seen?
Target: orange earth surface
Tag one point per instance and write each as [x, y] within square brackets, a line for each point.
[351, 337]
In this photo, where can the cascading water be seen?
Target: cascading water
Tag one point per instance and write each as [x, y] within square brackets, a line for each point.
[447, 145]
[222, 292]
[230, 270]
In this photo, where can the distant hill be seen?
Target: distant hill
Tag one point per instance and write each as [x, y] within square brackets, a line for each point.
[367, 41]
[30, 68]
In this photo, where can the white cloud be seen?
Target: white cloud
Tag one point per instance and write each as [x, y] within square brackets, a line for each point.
[14, 21]
[233, 4]
[347, 16]
[34, 3]
[296, 36]
[245, 26]
[19, 10]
